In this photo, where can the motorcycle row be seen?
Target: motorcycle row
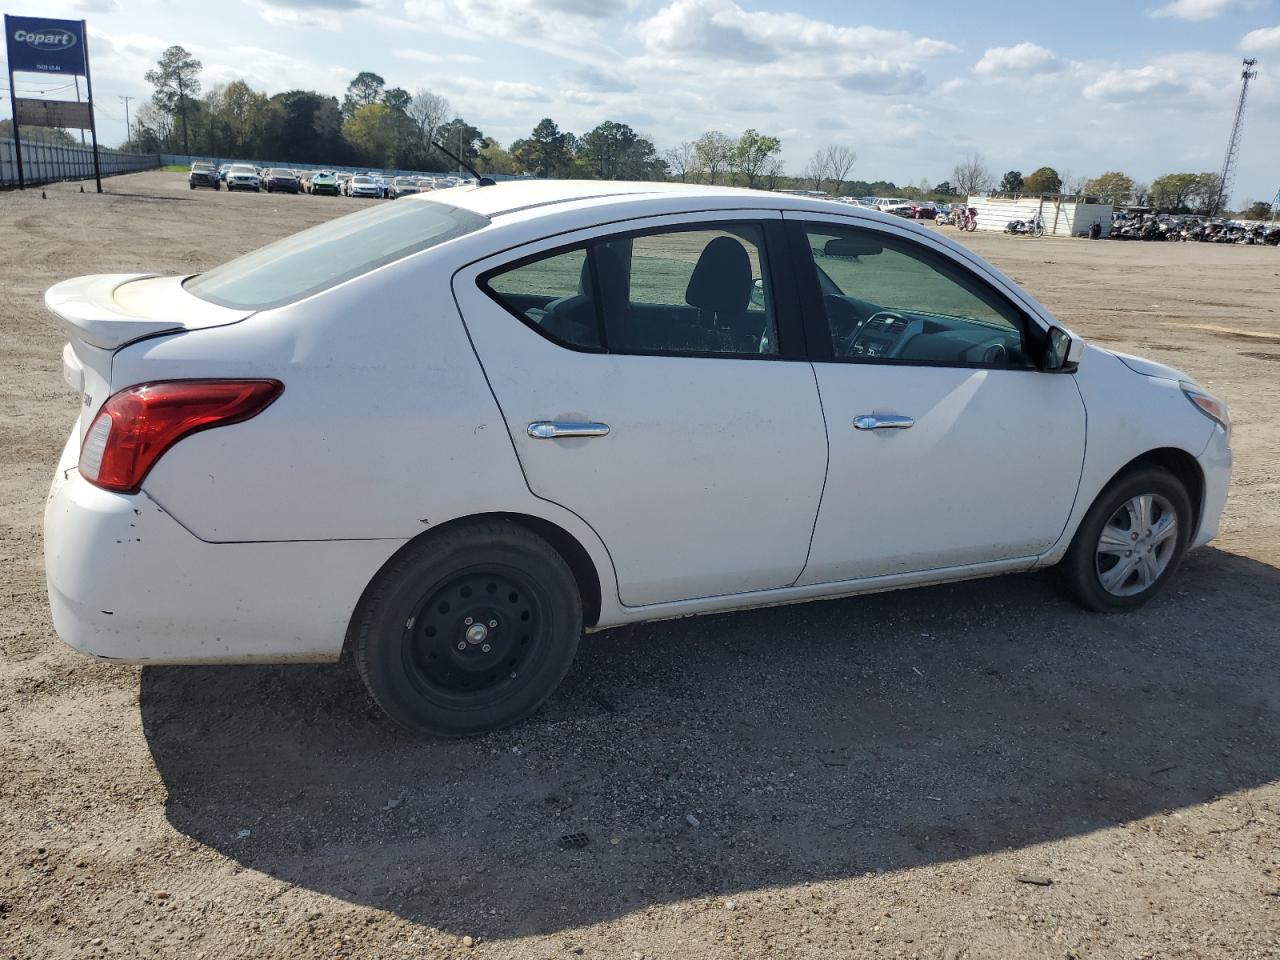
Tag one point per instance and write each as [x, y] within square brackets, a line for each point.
[1164, 226]
[966, 218]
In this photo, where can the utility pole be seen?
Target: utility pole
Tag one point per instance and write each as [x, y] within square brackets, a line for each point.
[1226, 180]
[182, 103]
[77, 79]
[128, 132]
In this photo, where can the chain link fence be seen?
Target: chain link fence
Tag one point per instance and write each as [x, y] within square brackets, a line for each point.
[51, 162]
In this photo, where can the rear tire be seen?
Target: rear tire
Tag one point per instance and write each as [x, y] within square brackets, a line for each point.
[468, 631]
[1129, 543]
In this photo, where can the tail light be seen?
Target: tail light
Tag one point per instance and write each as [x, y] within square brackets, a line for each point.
[136, 426]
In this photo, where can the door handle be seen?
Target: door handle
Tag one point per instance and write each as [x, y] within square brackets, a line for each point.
[882, 421]
[556, 429]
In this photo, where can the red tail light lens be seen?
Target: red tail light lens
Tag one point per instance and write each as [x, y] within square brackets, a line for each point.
[136, 426]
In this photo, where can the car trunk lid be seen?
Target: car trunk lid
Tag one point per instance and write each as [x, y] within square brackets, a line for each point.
[105, 312]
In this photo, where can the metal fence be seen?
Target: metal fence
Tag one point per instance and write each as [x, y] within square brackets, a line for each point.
[50, 162]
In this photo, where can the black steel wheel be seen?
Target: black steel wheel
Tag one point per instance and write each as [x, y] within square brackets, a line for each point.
[468, 642]
[468, 630]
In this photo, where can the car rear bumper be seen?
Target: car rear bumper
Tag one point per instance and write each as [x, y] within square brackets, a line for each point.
[1215, 464]
[127, 582]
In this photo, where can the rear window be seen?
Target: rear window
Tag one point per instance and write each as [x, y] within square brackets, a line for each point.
[331, 253]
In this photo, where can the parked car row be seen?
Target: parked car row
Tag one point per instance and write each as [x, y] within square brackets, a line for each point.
[247, 176]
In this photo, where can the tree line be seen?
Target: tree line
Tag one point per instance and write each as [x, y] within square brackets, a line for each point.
[377, 126]
[1185, 193]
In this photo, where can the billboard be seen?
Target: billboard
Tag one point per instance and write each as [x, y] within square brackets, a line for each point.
[40, 45]
[52, 113]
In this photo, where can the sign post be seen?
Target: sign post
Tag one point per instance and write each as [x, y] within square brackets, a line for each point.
[44, 46]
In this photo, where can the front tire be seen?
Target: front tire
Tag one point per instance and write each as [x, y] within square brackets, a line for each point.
[1130, 542]
[468, 631]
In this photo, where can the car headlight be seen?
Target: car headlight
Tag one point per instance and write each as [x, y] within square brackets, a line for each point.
[1209, 405]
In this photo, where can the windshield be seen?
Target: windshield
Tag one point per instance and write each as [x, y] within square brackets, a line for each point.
[202, 167]
[406, 182]
[242, 168]
[361, 180]
[331, 253]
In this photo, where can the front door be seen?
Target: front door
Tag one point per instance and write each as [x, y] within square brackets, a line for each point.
[948, 446]
[645, 381]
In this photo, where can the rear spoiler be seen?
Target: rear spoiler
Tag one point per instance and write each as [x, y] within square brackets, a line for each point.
[88, 311]
[94, 310]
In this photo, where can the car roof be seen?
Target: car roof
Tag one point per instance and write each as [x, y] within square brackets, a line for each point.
[536, 199]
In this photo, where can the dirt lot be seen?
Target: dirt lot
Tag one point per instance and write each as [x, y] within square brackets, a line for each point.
[868, 777]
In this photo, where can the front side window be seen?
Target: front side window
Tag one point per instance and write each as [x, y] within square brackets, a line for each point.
[886, 298]
[331, 253]
[697, 290]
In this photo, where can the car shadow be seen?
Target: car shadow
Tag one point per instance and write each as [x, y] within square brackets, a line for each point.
[716, 755]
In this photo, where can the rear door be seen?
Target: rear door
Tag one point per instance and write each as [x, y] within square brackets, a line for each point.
[653, 381]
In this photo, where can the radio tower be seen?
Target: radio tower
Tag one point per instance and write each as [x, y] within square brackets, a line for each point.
[1225, 181]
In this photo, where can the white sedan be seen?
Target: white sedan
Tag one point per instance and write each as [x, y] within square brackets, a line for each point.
[453, 432]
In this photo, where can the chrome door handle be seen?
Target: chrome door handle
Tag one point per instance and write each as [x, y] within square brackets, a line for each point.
[882, 421]
[555, 429]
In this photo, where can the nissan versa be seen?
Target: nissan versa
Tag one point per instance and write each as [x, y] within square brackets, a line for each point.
[451, 433]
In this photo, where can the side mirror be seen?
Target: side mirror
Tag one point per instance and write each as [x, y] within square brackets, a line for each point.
[757, 293]
[1063, 351]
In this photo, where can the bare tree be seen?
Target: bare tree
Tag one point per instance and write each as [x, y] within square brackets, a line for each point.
[713, 150]
[818, 169]
[839, 163]
[681, 159]
[772, 173]
[429, 111]
[1072, 184]
[971, 176]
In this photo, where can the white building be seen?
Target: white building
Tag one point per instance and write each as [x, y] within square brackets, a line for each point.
[1063, 216]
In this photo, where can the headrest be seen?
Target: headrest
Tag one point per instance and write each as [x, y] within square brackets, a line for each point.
[721, 281]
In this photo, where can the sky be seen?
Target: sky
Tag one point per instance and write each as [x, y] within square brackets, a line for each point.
[1085, 87]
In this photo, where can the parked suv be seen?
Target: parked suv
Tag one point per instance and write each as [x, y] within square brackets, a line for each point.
[243, 176]
[203, 175]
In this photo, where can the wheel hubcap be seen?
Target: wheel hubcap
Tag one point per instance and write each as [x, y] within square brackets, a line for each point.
[474, 635]
[1136, 545]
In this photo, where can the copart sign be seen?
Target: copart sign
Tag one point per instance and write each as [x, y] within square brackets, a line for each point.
[39, 45]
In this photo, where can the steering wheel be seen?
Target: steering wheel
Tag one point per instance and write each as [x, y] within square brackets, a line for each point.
[854, 350]
[843, 319]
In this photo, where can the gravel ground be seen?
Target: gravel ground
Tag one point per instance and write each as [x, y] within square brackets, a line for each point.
[972, 771]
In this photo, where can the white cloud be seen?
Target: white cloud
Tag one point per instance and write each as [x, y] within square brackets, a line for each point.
[720, 29]
[555, 26]
[1022, 59]
[1200, 9]
[1189, 81]
[603, 81]
[424, 56]
[1262, 40]
[520, 92]
[328, 14]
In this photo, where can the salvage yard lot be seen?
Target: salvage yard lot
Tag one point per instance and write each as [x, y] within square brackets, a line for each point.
[971, 771]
